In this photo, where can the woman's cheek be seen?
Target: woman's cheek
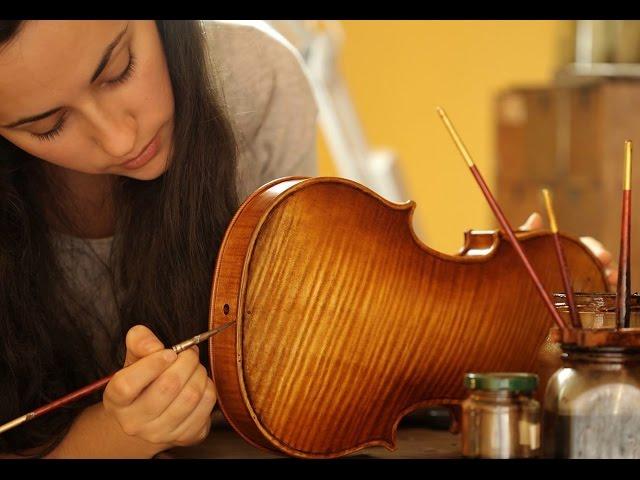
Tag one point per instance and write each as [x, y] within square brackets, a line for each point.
[70, 154]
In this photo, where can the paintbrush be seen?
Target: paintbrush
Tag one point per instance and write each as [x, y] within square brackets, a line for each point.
[562, 261]
[623, 296]
[504, 223]
[83, 392]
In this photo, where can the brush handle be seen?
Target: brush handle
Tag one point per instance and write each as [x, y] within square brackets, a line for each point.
[71, 397]
[504, 223]
[83, 392]
[566, 280]
[623, 313]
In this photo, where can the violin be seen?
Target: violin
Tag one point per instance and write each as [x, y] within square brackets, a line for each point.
[346, 321]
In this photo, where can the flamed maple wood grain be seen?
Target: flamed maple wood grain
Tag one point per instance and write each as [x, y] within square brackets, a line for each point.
[346, 321]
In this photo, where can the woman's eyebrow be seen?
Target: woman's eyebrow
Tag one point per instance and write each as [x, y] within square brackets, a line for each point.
[107, 54]
[103, 63]
[33, 118]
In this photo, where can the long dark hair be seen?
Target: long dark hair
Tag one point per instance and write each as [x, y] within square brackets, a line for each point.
[168, 232]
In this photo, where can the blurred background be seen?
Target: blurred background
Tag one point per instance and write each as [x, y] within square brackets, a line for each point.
[537, 103]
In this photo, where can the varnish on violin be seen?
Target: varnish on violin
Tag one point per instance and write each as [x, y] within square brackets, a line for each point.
[346, 321]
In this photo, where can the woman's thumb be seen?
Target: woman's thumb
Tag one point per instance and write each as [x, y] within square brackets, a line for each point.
[140, 342]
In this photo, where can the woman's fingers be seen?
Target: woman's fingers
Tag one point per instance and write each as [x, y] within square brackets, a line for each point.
[167, 388]
[161, 397]
[605, 257]
[129, 382]
[598, 250]
[195, 427]
[534, 222]
[140, 342]
[188, 415]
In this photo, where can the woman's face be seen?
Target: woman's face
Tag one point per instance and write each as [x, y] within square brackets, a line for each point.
[89, 96]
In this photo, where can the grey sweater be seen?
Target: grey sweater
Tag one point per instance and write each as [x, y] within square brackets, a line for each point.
[273, 111]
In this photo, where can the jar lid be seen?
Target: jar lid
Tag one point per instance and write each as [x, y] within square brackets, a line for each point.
[514, 382]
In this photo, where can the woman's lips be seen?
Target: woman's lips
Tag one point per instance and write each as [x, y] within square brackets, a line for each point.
[147, 154]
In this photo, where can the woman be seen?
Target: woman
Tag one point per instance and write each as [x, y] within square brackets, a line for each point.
[125, 149]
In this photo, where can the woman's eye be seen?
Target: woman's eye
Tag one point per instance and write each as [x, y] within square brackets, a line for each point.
[54, 132]
[57, 129]
[126, 74]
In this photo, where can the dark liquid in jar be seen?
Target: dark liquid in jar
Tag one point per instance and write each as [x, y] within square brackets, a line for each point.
[597, 436]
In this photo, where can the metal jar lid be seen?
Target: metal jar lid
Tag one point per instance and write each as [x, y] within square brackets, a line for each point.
[513, 382]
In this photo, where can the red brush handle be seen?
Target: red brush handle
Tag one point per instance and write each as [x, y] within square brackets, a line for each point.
[504, 223]
[566, 280]
[71, 397]
[623, 313]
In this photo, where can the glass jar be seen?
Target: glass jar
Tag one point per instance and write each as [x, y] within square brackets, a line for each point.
[592, 404]
[500, 417]
[596, 311]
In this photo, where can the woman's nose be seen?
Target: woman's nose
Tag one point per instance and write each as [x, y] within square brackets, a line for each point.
[116, 133]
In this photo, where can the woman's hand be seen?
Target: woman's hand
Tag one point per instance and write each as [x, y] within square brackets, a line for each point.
[534, 222]
[158, 396]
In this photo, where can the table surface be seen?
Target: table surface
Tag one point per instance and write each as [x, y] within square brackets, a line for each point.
[413, 442]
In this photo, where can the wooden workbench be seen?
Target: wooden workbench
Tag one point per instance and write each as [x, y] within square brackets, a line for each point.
[414, 442]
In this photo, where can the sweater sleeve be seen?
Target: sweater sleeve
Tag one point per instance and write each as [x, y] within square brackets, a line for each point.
[269, 99]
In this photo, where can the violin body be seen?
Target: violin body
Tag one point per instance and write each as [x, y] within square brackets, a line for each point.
[346, 321]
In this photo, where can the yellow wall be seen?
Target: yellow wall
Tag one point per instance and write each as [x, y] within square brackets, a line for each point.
[399, 71]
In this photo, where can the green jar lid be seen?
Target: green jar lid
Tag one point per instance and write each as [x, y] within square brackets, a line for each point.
[513, 382]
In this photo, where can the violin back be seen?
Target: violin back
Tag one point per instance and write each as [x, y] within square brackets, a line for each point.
[346, 321]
